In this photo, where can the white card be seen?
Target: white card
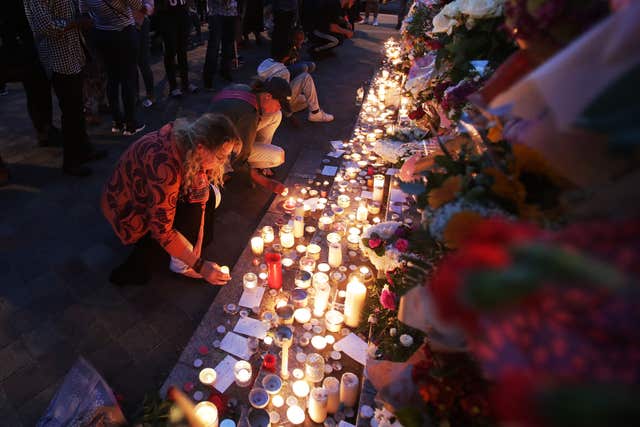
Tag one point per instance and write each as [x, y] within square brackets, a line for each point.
[397, 196]
[236, 345]
[251, 327]
[366, 195]
[354, 347]
[251, 298]
[336, 144]
[329, 171]
[224, 372]
[335, 154]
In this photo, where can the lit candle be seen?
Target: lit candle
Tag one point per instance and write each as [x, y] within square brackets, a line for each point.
[335, 255]
[354, 302]
[333, 320]
[323, 267]
[332, 386]
[286, 236]
[362, 213]
[290, 204]
[323, 290]
[207, 413]
[224, 269]
[378, 188]
[318, 404]
[242, 373]
[299, 373]
[353, 241]
[319, 342]
[257, 245]
[295, 415]
[325, 221]
[302, 315]
[287, 263]
[277, 401]
[207, 376]
[314, 368]
[307, 264]
[250, 281]
[344, 201]
[298, 226]
[300, 388]
[313, 251]
[267, 234]
[300, 208]
[349, 389]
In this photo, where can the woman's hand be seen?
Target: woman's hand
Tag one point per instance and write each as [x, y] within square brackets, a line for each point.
[212, 273]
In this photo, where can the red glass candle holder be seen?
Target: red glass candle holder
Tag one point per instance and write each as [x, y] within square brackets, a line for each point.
[269, 362]
[274, 270]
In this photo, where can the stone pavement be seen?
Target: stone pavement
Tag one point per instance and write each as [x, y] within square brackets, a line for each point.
[56, 249]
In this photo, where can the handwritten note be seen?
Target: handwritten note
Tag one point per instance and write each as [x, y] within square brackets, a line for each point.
[224, 372]
[236, 345]
[354, 347]
[329, 171]
[251, 327]
[251, 298]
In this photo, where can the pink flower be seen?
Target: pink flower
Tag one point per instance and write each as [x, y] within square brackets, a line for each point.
[402, 245]
[388, 299]
[374, 243]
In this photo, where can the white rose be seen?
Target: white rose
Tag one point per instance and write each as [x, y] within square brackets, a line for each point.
[406, 340]
[447, 19]
[481, 8]
[393, 332]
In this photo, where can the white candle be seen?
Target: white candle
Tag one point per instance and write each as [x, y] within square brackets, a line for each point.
[267, 234]
[299, 208]
[313, 251]
[332, 386]
[378, 188]
[300, 388]
[362, 213]
[207, 413]
[224, 269]
[242, 373]
[353, 241]
[284, 366]
[298, 227]
[295, 415]
[319, 342]
[333, 320]
[323, 291]
[314, 368]
[207, 376]
[277, 401]
[302, 315]
[250, 281]
[335, 255]
[349, 389]
[354, 302]
[318, 404]
[286, 236]
[257, 245]
[333, 238]
[299, 373]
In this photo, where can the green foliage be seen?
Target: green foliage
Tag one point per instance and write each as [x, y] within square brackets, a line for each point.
[155, 412]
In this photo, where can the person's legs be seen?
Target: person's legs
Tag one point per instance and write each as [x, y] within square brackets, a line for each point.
[144, 59]
[136, 268]
[328, 41]
[404, 5]
[182, 44]
[213, 47]
[110, 54]
[227, 37]
[127, 44]
[266, 156]
[39, 105]
[169, 37]
[375, 7]
[298, 68]
[267, 127]
[304, 84]
[282, 24]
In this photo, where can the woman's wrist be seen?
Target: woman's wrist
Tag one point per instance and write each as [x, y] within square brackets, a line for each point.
[197, 266]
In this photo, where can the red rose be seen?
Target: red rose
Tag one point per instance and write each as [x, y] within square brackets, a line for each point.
[402, 245]
[388, 299]
[374, 243]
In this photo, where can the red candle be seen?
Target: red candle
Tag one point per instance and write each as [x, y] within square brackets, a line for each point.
[269, 362]
[274, 270]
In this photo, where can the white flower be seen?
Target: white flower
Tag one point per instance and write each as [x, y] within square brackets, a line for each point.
[447, 19]
[480, 9]
[393, 332]
[406, 340]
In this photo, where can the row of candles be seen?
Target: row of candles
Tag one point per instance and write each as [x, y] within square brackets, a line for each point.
[345, 216]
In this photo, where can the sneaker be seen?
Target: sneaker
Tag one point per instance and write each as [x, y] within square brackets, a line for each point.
[375, 22]
[176, 93]
[132, 130]
[191, 88]
[366, 21]
[117, 128]
[320, 117]
[147, 102]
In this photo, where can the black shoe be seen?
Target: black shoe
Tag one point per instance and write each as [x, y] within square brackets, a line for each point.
[95, 154]
[117, 128]
[126, 275]
[79, 170]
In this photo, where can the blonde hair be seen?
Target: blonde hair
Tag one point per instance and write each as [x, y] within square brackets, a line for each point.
[212, 131]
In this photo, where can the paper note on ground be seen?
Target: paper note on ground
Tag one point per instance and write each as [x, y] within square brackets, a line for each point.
[335, 154]
[251, 298]
[224, 372]
[336, 144]
[329, 171]
[251, 327]
[397, 195]
[366, 195]
[236, 345]
[354, 347]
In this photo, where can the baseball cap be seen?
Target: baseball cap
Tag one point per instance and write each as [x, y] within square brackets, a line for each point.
[279, 89]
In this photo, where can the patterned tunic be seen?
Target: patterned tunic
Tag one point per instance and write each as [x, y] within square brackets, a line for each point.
[141, 195]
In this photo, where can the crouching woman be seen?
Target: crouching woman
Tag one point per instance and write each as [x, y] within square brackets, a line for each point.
[163, 192]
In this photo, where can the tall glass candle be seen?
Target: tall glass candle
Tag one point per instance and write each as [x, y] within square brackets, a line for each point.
[257, 245]
[354, 302]
[323, 291]
[335, 255]
[332, 386]
[362, 213]
[378, 188]
[242, 373]
[207, 413]
[298, 227]
[349, 385]
[318, 404]
[274, 268]
[286, 236]
[314, 368]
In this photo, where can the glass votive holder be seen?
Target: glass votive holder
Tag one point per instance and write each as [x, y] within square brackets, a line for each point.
[208, 376]
[353, 241]
[242, 373]
[207, 413]
[299, 298]
[373, 207]
[250, 281]
[308, 264]
[313, 251]
[334, 238]
[268, 234]
[303, 277]
[314, 368]
[333, 320]
[286, 236]
[257, 245]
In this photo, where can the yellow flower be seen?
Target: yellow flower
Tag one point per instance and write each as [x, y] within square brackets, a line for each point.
[506, 187]
[528, 160]
[459, 226]
[446, 192]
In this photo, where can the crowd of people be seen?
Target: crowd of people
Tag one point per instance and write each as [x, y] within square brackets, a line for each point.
[164, 188]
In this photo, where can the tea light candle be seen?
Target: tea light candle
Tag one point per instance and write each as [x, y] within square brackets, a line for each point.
[319, 342]
[323, 267]
[354, 302]
[242, 373]
[313, 251]
[289, 204]
[295, 415]
[318, 404]
[287, 263]
[286, 236]
[349, 389]
[250, 281]
[301, 250]
[335, 255]
[298, 373]
[302, 315]
[207, 413]
[277, 401]
[324, 222]
[257, 245]
[207, 376]
[224, 269]
[307, 264]
[354, 230]
[267, 234]
[332, 386]
[333, 320]
[300, 388]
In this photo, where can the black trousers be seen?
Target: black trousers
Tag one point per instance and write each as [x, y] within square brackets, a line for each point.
[119, 49]
[175, 29]
[222, 30]
[283, 22]
[76, 145]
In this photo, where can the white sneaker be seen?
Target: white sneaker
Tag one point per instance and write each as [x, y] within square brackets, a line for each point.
[375, 22]
[320, 116]
[176, 92]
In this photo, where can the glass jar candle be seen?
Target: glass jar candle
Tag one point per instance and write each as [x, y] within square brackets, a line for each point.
[250, 281]
[298, 227]
[332, 386]
[349, 385]
[308, 264]
[257, 245]
[378, 187]
[325, 221]
[362, 213]
[207, 376]
[242, 373]
[267, 234]
[354, 302]
[286, 236]
[344, 201]
[314, 368]
[333, 321]
[299, 298]
[335, 255]
[353, 241]
[373, 207]
[313, 251]
[303, 278]
[317, 405]
[207, 414]
[322, 293]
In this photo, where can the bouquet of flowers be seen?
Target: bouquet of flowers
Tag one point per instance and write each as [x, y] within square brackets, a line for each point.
[384, 244]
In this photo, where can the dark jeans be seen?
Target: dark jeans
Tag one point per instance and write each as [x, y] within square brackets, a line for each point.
[175, 29]
[221, 36]
[404, 9]
[283, 22]
[144, 59]
[76, 145]
[119, 49]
